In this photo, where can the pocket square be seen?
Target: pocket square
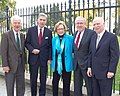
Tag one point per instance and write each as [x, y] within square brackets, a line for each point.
[46, 37]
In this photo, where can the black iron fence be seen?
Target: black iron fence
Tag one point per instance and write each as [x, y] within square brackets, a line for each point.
[67, 11]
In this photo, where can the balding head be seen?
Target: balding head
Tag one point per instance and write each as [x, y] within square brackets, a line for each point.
[98, 24]
[98, 19]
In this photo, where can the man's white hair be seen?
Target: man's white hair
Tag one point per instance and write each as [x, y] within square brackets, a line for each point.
[16, 17]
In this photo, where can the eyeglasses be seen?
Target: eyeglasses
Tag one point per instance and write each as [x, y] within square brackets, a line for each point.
[60, 29]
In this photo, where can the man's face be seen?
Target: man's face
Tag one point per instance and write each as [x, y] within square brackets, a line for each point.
[98, 25]
[16, 25]
[42, 21]
[80, 25]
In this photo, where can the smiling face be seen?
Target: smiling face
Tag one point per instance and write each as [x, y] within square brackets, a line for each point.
[16, 23]
[60, 30]
[98, 24]
[80, 24]
[42, 20]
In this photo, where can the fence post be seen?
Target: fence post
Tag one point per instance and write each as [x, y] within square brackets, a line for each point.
[70, 17]
[7, 17]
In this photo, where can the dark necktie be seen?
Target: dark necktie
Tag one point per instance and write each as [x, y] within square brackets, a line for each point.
[18, 41]
[77, 40]
[40, 37]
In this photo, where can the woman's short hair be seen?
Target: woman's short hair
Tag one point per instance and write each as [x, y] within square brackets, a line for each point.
[60, 23]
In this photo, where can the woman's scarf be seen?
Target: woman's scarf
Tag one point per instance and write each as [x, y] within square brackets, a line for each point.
[59, 48]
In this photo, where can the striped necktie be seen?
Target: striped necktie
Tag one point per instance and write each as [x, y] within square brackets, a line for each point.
[77, 38]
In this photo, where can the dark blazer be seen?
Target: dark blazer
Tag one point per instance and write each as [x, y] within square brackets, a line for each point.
[10, 51]
[45, 47]
[81, 53]
[105, 58]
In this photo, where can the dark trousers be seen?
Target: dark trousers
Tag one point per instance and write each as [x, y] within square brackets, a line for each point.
[79, 75]
[18, 76]
[34, 68]
[66, 76]
[102, 87]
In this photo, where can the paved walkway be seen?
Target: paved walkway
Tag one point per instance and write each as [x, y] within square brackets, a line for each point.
[27, 91]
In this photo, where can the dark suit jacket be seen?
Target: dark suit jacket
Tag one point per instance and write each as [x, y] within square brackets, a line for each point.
[105, 58]
[45, 47]
[81, 53]
[10, 51]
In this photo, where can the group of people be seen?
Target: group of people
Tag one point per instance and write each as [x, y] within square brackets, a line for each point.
[91, 54]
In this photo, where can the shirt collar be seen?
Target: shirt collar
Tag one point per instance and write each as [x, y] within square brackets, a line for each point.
[40, 28]
[16, 32]
[101, 33]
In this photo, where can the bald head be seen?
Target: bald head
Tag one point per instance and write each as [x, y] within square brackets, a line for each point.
[98, 19]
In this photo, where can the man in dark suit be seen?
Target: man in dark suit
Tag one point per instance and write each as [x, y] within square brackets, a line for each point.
[81, 49]
[39, 42]
[103, 59]
[13, 58]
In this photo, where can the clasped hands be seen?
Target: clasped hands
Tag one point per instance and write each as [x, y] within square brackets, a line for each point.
[36, 51]
[6, 69]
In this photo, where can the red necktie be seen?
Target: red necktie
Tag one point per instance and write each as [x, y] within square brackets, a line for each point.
[40, 37]
[77, 40]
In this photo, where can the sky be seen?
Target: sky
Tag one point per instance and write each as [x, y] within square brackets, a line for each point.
[28, 3]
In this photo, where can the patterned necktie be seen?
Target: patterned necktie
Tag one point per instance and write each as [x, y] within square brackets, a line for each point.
[18, 41]
[40, 36]
[77, 40]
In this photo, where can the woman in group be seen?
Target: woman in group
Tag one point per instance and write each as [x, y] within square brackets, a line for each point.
[62, 60]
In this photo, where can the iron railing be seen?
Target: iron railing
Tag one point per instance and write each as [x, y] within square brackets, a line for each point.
[67, 11]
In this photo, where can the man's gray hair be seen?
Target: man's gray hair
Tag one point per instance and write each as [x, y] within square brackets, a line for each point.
[42, 14]
[15, 17]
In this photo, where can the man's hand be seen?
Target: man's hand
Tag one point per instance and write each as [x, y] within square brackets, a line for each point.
[6, 69]
[110, 74]
[89, 72]
[35, 51]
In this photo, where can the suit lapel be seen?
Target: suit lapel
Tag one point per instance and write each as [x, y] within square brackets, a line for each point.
[94, 42]
[35, 34]
[83, 38]
[75, 47]
[12, 37]
[22, 40]
[102, 40]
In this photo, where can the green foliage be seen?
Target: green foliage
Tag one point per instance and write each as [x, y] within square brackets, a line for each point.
[9, 3]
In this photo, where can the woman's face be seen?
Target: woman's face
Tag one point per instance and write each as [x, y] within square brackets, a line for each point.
[60, 30]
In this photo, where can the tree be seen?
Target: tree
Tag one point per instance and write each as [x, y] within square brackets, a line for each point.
[4, 4]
